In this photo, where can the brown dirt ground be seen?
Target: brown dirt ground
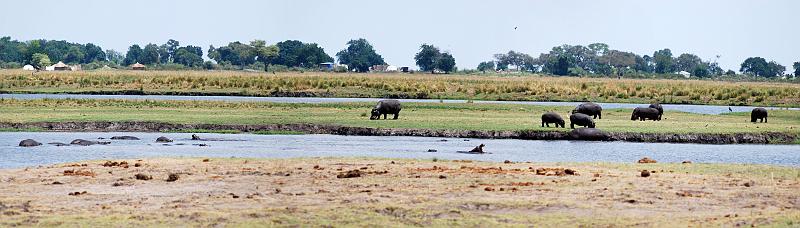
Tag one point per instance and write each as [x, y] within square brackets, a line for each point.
[385, 192]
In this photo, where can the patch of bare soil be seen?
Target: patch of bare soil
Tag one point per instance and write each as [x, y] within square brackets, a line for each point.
[376, 192]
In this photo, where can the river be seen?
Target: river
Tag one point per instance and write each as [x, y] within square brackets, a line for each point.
[289, 146]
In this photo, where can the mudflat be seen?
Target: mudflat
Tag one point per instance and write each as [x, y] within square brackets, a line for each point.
[395, 192]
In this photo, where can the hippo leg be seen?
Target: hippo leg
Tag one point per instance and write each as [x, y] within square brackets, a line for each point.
[765, 119]
[548, 125]
[572, 125]
[600, 115]
[396, 115]
[384, 116]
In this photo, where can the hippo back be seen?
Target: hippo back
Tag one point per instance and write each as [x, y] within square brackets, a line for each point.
[388, 106]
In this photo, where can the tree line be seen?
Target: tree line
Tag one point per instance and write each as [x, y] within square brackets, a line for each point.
[599, 59]
[360, 55]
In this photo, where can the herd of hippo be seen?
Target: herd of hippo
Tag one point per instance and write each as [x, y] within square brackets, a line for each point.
[83, 142]
[583, 115]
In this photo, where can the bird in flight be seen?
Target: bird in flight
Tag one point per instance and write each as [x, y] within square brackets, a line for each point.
[515, 28]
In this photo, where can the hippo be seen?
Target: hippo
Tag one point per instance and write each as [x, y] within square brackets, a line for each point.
[658, 107]
[642, 114]
[758, 114]
[386, 107]
[29, 143]
[589, 134]
[552, 117]
[580, 119]
[124, 138]
[58, 144]
[87, 142]
[163, 139]
[195, 137]
[589, 108]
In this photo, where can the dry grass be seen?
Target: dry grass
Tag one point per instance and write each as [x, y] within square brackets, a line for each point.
[496, 87]
[307, 192]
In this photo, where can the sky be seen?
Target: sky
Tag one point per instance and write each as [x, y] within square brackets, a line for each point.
[472, 30]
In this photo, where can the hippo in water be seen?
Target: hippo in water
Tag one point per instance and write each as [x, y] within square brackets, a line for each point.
[552, 117]
[642, 114]
[163, 139]
[580, 119]
[758, 114]
[82, 142]
[590, 109]
[385, 107]
[658, 107]
[589, 134]
[29, 143]
[124, 138]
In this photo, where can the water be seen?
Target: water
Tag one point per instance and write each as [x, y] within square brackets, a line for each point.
[289, 146]
[701, 109]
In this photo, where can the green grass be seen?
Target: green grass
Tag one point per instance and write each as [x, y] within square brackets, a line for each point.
[475, 87]
[414, 115]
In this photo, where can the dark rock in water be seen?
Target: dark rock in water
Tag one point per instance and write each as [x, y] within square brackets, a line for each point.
[201, 144]
[29, 143]
[443, 140]
[58, 144]
[163, 139]
[87, 142]
[180, 144]
[589, 134]
[432, 150]
[124, 138]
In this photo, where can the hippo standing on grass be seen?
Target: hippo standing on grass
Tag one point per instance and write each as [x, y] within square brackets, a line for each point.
[580, 119]
[385, 107]
[552, 117]
[642, 114]
[658, 107]
[590, 109]
[758, 114]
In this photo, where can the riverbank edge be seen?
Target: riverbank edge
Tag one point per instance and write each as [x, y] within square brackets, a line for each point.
[146, 126]
[397, 95]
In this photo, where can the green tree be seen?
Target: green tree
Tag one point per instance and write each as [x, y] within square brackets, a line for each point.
[93, 53]
[171, 50]
[663, 61]
[40, 61]
[486, 66]
[796, 69]
[755, 66]
[446, 63]
[687, 62]
[359, 55]
[188, 58]
[133, 55]
[265, 54]
[149, 54]
[599, 49]
[74, 55]
[114, 56]
[426, 57]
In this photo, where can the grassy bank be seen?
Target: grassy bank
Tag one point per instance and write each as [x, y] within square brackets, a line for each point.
[496, 87]
[414, 116]
[397, 193]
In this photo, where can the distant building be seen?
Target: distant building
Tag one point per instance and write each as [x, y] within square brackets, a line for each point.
[378, 68]
[138, 66]
[685, 74]
[76, 67]
[405, 69]
[28, 67]
[391, 68]
[328, 66]
[60, 66]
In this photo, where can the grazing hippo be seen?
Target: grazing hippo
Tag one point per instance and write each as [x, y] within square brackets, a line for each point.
[82, 142]
[552, 117]
[29, 143]
[580, 119]
[758, 114]
[124, 138]
[589, 108]
[658, 107]
[642, 114]
[589, 134]
[163, 139]
[386, 107]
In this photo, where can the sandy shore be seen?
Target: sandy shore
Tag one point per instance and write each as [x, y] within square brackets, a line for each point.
[384, 192]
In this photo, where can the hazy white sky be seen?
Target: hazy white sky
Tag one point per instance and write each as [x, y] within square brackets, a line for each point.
[471, 30]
